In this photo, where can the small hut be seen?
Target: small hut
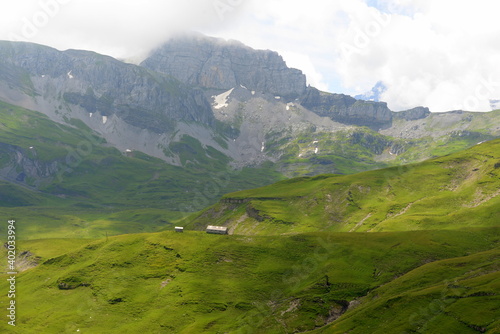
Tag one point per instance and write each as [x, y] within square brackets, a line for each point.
[179, 229]
[216, 229]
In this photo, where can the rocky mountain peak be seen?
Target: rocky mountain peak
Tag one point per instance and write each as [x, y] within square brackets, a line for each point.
[215, 63]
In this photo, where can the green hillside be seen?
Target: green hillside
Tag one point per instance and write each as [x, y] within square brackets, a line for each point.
[62, 181]
[199, 283]
[410, 249]
[458, 295]
[455, 191]
[65, 181]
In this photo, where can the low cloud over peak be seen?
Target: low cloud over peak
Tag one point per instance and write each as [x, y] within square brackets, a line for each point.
[441, 54]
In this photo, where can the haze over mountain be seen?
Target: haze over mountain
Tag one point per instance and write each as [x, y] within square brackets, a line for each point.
[423, 52]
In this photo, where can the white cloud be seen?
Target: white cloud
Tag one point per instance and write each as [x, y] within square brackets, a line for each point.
[441, 54]
[114, 27]
[305, 64]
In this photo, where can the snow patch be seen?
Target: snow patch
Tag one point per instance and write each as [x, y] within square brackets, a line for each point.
[104, 119]
[263, 147]
[287, 107]
[243, 87]
[70, 75]
[315, 142]
[220, 101]
[253, 92]
[128, 150]
[90, 114]
[316, 151]
[277, 97]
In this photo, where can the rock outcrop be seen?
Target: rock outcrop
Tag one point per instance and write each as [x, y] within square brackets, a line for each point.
[413, 114]
[101, 84]
[346, 109]
[24, 165]
[215, 63]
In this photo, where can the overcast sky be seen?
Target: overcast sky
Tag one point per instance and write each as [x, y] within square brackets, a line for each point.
[442, 54]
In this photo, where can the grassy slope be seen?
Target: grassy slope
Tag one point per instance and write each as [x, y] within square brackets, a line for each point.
[108, 192]
[417, 281]
[458, 295]
[455, 191]
[199, 283]
[105, 191]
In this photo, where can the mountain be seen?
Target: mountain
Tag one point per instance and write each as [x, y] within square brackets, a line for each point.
[126, 104]
[346, 109]
[210, 106]
[100, 159]
[66, 179]
[206, 62]
[102, 85]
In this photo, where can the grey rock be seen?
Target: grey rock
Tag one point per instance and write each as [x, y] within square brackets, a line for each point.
[346, 109]
[214, 63]
[413, 114]
[23, 165]
[98, 83]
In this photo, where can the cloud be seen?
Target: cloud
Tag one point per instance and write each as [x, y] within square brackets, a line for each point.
[304, 33]
[441, 54]
[118, 28]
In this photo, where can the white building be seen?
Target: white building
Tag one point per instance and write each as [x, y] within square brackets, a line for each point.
[217, 229]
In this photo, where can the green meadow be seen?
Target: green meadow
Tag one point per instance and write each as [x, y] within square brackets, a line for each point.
[403, 249]
[194, 282]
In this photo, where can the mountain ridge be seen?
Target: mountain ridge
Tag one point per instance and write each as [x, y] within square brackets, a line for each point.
[139, 111]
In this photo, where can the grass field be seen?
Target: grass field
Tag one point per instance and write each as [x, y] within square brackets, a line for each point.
[198, 283]
[408, 249]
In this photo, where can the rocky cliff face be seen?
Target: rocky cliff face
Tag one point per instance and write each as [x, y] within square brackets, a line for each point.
[346, 109]
[101, 84]
[413, 114]
[215, 63]
[25, 166]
